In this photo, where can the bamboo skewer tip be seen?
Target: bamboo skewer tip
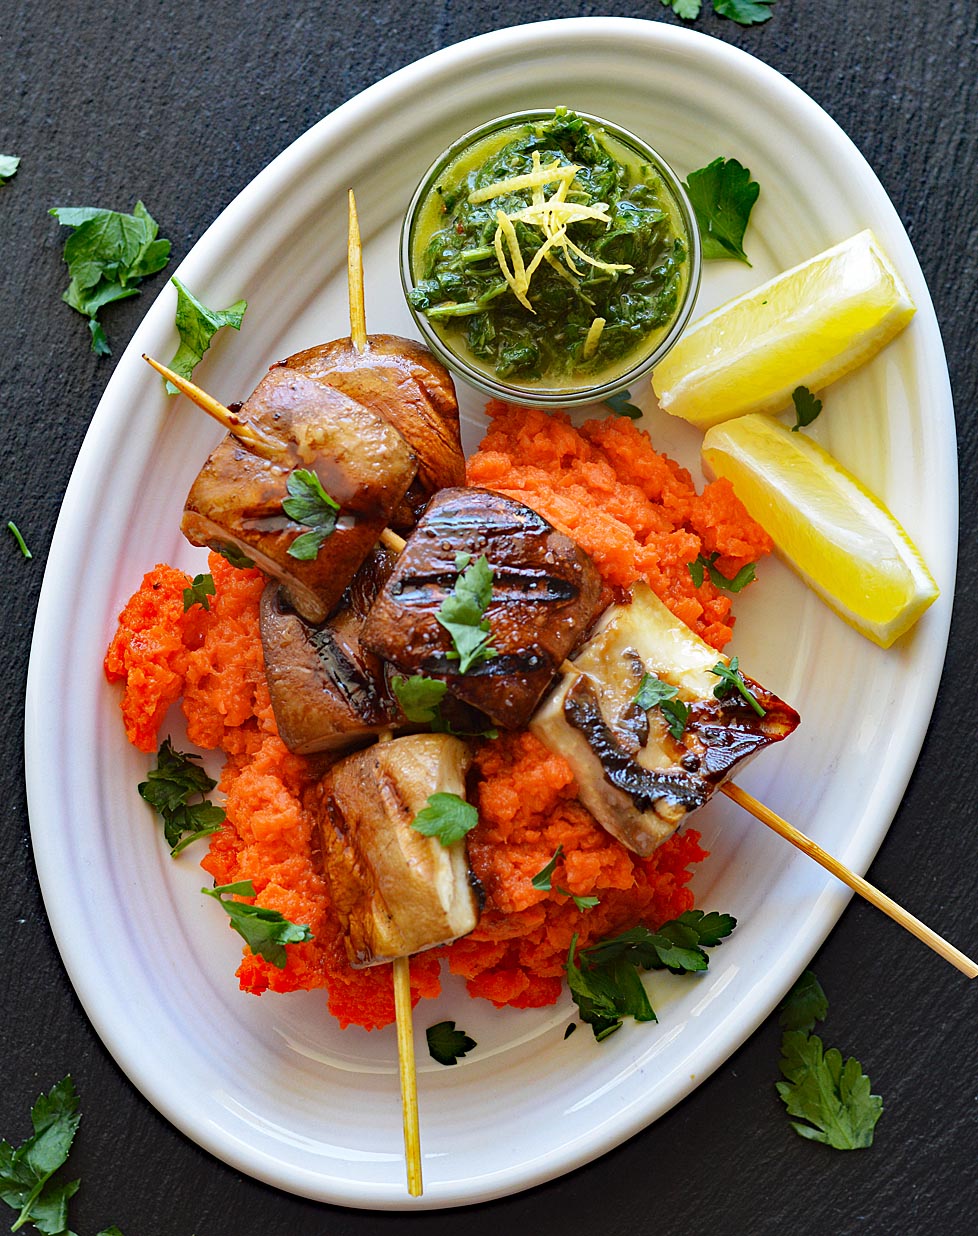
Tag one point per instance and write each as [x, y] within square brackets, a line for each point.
[354, 268]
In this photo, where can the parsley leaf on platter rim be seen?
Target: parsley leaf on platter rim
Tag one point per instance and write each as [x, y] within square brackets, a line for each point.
[197, 325]
[168, 789]
[620, 403]
[722, 195]
[446, 1044]
[807, 407]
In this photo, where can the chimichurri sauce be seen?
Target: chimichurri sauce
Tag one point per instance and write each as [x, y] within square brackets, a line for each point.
[611, 274]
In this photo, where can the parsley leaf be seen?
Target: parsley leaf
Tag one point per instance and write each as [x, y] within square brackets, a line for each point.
[25, 1172]
[168, 790]
[419, 697]
[807, 407]
[18, 537]
[804, 1005]
[8, 167]
[744, 12]
[723, 196]
[619, 403]
[311, 505]
[235, 556]
[446, 817]
[446, 1044]
[686, 9]
[704, 564]
[834, 1098]
[266, 932]
[653, 692]
[731, 679]
[197, 325]
[198, 592]
[542, 880]
[605, 984]
[582, 903]
[108, 253]
[461, 613]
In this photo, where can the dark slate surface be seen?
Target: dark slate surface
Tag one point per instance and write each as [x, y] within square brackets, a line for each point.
[183, 104]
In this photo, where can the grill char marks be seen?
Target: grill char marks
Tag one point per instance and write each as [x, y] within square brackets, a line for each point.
[544, 595]
[364, 464]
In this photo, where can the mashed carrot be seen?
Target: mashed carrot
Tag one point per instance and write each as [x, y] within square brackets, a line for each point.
[639, 516]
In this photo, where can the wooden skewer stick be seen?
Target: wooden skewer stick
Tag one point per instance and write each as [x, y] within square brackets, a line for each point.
[243, 430]
[354, 275]
[831, 864]
[855, 882]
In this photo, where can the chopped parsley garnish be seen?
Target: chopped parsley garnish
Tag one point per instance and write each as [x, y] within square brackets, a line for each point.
[582, 903]
[446, 1044]
[420, 700]
[604, 980]
[197, 325]
[308, 503]
[570, 1030]
[198, 592]
[461, 613]
[235, 556]
[108, 253]
[169, 787]
[807, 407]
[706, 565]
[26, 1172]
[8, 167]
[543, 878]
[18, 537]
[722, 195]
[654, 693]
[619, 404]
[731, 679]
[833, 1097]
[446, 817]
[266, 932]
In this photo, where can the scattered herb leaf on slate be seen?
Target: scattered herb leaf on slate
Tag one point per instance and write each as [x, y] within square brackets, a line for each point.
[26, 1171]
[807, 407]
[235, 556]
[833, 1097]
[266, 932]
[605, 983]
[461, 613]
[542, 881]
[731, 679]
[308, 503]
[744, 12]
[688, 10]
[18, 537]
[653, 692]
[706, 565]
[446, 1044]
[620, 405]
[169, 787]
[8, 167]
[446, 817]
[197, 325]
[198, 592]
[723, 196]
[804, 1005]
[108, 253]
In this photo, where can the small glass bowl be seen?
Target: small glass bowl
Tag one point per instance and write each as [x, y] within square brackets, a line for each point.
[537, 392]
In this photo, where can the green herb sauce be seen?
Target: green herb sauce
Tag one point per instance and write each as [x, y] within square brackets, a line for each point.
[465, 296]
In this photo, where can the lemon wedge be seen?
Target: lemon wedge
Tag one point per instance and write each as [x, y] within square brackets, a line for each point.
[839, 538]
[805, 327]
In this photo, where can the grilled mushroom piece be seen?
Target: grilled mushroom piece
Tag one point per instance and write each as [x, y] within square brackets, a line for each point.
[635, 778]
[362, 461]
[395, 890]
[327, 691]
[545, 591]
[400, 379]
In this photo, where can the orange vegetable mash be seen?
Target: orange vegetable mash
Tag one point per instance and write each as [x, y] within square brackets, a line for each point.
[639, 516]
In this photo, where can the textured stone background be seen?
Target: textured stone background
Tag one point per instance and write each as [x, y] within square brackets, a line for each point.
[183, 104]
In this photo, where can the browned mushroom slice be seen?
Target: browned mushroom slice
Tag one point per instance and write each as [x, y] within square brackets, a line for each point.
[637, 779]
[327, 692]
[400, 379]
[395, 890]
[362, 462]
[545, 590]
